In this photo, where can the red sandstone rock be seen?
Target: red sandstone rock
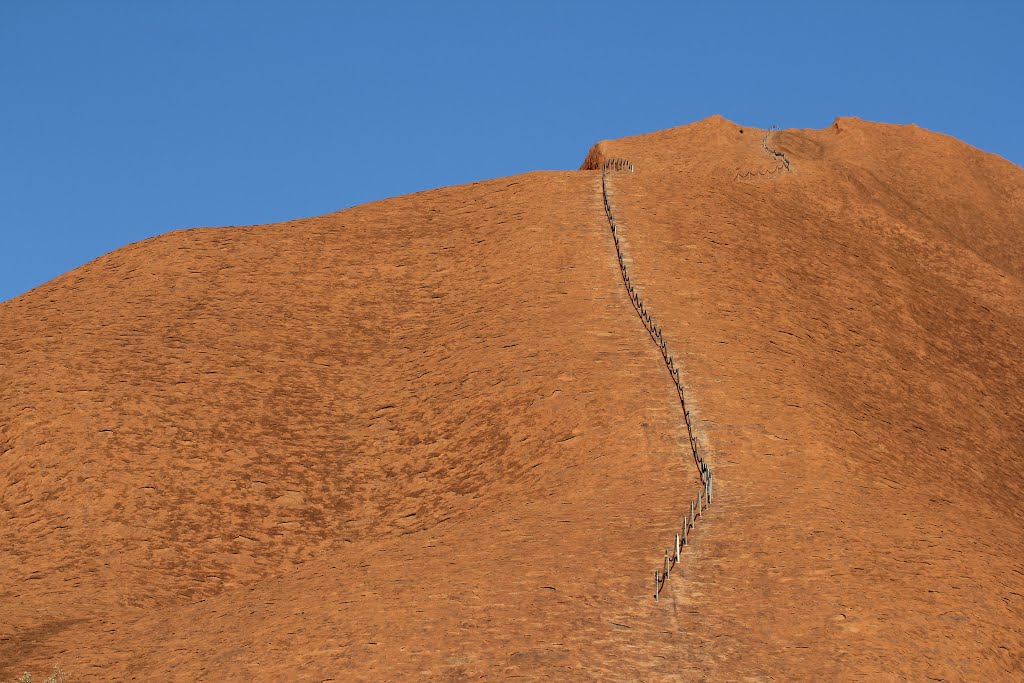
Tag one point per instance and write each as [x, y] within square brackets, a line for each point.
[428, 437]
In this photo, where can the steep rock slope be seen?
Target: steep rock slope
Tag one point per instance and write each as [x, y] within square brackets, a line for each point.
[852, 329]
[428, 437]
[424, 435]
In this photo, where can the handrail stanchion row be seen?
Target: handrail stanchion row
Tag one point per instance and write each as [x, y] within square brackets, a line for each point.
[703, 499]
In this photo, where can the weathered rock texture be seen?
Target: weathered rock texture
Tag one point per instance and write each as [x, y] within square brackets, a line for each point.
[428, 438]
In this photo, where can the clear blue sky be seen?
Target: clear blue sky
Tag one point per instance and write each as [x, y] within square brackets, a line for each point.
[122, 120]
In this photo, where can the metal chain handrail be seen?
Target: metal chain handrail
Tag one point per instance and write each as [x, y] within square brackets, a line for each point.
[705, 495]
[784, 160]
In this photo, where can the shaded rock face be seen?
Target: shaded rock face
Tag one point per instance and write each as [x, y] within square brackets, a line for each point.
[428, 437]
